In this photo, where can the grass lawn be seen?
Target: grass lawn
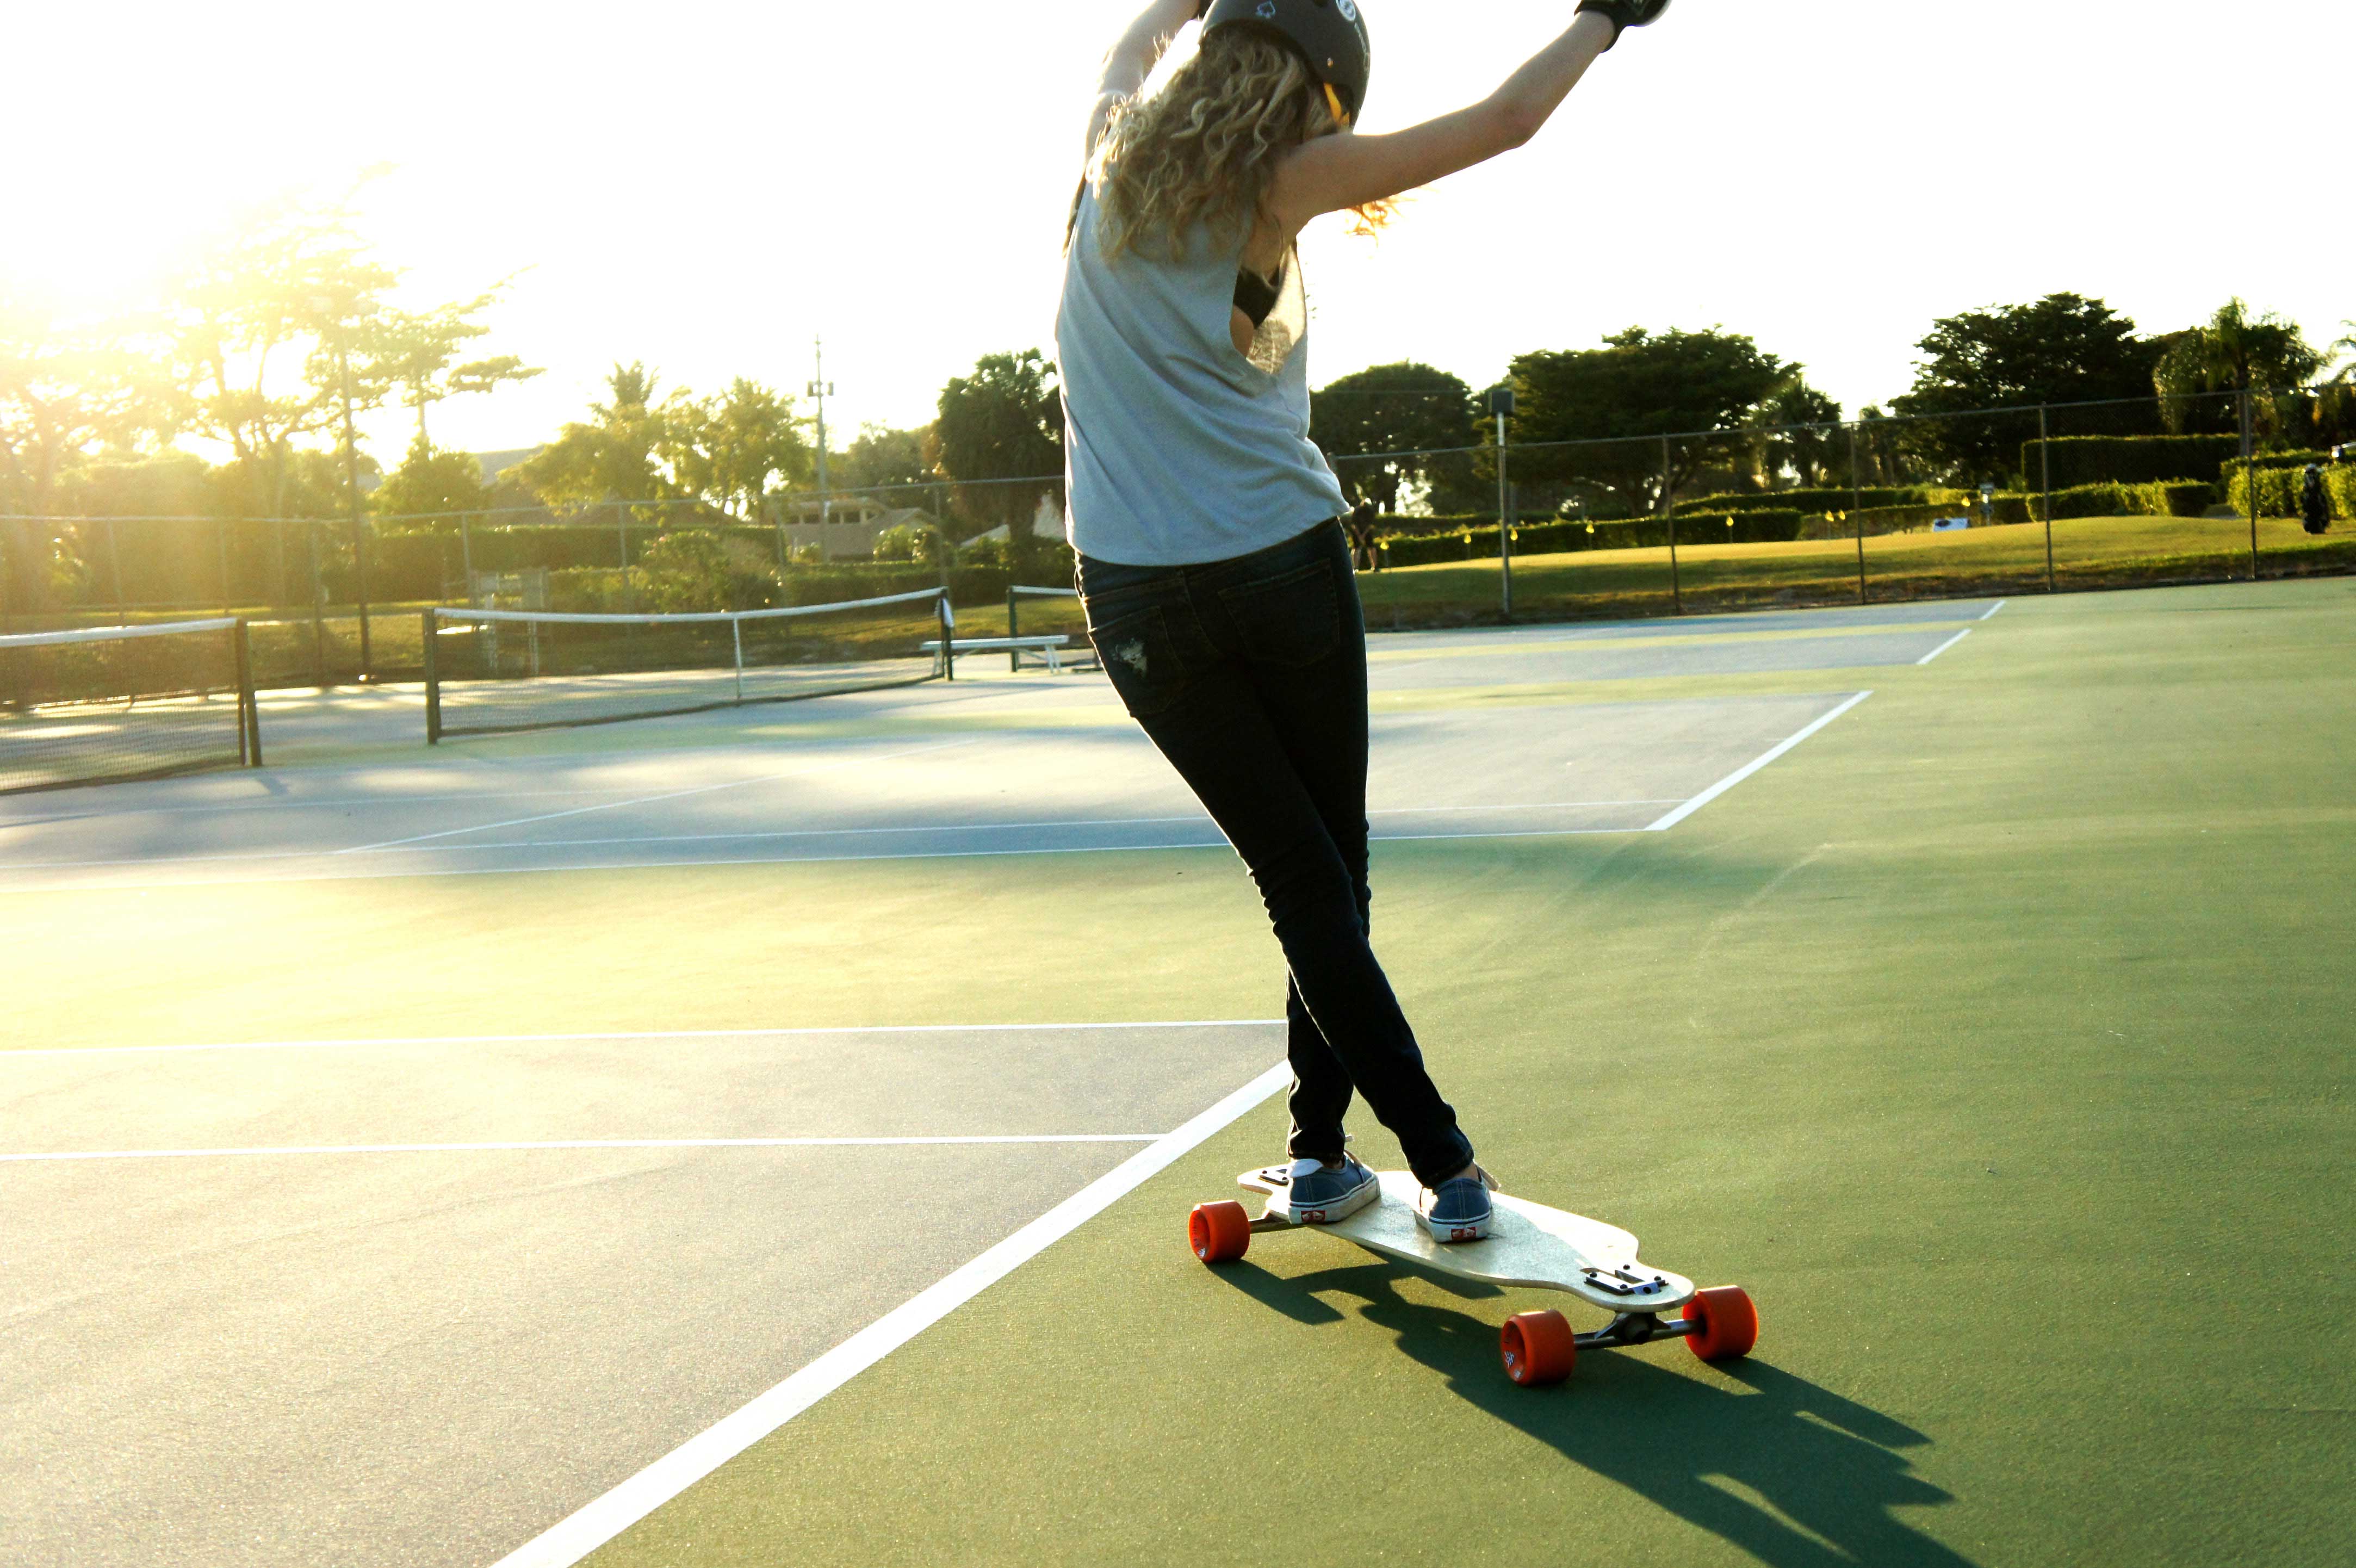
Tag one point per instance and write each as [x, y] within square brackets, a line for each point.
[2088, 552]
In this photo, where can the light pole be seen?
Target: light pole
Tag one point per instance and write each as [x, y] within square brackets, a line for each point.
[821, 389]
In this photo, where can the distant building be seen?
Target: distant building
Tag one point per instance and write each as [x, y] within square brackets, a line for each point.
[851, 535]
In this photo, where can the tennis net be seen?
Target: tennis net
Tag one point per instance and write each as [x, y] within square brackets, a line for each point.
[488, 672]
[119, 702]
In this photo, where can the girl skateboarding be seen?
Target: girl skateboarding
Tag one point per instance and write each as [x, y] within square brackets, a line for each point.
[1212, 561]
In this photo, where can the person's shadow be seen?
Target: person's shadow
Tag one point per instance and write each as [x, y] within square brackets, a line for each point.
[1792, 1473]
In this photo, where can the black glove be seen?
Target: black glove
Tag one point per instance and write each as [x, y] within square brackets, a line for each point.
[1626, 13]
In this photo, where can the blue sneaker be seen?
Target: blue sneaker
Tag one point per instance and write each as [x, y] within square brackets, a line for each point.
[1459, 1210]
[1319, 1193]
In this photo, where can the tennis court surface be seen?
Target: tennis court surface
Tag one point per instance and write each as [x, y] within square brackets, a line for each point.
[765, 1135]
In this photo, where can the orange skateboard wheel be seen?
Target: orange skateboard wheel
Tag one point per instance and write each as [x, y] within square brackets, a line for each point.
[1726, 1323]
[1539, 1347]
[1220, 1232]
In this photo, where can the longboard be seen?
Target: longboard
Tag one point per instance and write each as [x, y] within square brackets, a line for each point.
[1529, 1246]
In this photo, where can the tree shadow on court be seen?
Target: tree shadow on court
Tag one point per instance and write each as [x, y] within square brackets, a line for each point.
[1790, 1472]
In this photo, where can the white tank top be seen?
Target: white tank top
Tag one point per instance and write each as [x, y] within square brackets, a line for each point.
[1177, 449]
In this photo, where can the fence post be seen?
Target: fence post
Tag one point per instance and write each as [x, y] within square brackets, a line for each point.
[949, 635]
[466, 556]
[249, 710]
[2250, 477]
[220, 544]
[1013, 655]
[318, 608]
[1505, 545]
[1501, 404]
[114, 555]
[622, 532]
[1669, 510]
[433, 683]
[2045, 482]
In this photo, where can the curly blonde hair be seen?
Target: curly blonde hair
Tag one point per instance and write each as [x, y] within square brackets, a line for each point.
[1204, 149]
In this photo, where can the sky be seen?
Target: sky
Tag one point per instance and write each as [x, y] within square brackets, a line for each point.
[708, 187]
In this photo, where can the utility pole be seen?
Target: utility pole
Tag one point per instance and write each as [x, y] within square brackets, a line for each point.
[821, 389]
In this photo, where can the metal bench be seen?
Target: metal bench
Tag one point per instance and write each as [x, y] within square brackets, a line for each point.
[1051, 646]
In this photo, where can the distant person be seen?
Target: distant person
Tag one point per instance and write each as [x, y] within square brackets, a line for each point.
[2313, 504]
[1361, 525]
[1212, 560]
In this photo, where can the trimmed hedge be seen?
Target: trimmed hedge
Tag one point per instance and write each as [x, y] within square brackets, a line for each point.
[2229, 471]
[1816, 501]
[2279, 491]
[2080, 460]
[1566, 537]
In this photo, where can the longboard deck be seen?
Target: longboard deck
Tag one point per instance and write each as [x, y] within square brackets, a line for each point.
[1529, 1245]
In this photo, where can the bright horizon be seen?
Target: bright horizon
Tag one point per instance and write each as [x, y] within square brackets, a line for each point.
[708, 196]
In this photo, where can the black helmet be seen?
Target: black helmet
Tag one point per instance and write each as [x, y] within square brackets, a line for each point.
[1330, 35]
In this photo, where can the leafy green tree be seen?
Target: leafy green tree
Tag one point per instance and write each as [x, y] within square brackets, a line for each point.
[694, 569]
[415, 355]
[432, 482]
[885, 459]
[1638, 384]
[1389, 428]
[612, 457]
[284, 282]
[1004, 421]
[2237, 351]
[66, 387]
[733, 449]
[2064, 348]
[1797, 431]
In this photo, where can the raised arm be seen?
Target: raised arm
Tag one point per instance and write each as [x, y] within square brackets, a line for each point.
[1333, 173]
[1132, 59]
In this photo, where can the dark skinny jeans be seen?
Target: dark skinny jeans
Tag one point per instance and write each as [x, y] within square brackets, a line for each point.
[1250, 676]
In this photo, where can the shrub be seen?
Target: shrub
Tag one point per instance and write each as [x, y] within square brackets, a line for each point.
[2229, 470]
[1813, 501]
[2279, 491]
[695, 570]
[2080, 460]
[1563, 537]
[983, 553]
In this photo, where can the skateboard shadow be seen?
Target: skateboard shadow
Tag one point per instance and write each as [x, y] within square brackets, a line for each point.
[1790, 1472]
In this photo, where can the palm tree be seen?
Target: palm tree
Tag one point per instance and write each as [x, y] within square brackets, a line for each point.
[2262, 356]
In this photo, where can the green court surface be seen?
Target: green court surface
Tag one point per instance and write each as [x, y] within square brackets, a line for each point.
[1996, 1038]
[1997, 1041]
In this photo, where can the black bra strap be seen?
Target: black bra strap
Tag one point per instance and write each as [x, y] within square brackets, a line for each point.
[1256, 296]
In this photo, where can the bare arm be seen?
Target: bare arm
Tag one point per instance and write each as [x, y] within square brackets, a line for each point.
[1132, 59]
[1332, 173]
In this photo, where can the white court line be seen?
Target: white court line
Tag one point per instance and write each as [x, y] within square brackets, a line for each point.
[573, 1538]
[580, 1144]
[612, 866]
[673, 795]
[1197, 818]
[1739, 774]
[407, 1040]
[1201, 819]
[1945, 646]
[1993, 607]
[235, 806]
